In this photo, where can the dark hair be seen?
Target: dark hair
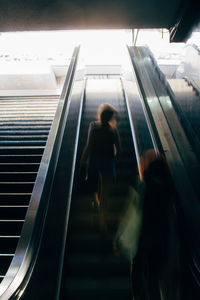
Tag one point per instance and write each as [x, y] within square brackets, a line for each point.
[105, 113]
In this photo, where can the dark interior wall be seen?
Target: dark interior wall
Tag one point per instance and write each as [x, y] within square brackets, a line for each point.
[87, 14]
[179, 16]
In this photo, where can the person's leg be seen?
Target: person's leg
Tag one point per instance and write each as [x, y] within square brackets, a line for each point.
[93, 180]
[106, 179]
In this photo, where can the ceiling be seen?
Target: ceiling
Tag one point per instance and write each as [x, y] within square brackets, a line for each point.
[179, 16]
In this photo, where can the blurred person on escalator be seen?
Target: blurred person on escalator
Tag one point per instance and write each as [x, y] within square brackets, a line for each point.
[103, 144]
[156, 266]
[151, 235]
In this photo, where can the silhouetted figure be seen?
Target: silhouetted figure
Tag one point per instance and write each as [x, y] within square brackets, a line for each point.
[102, 146]
[147, 234]
[155, 269]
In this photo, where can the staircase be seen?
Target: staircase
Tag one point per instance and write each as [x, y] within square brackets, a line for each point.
[24, 127]
[188, 102]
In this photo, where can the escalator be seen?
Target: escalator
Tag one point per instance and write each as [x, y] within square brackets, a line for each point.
[91, 270]
[67, 223]
[24, 127]
[170, 124]
[113, 278]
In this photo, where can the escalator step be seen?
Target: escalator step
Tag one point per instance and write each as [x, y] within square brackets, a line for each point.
[21, 150]
[14, 198]
[13, 212]
[97, 288]
[23, 143]
[24, 128]
[10, 128]
[8, 245]
[20, 158]
[22, 137]
[11, 229]
[4, 263]
[21, 132]
[14, 187]
[19, 167]
[104, 264]
[17, 176]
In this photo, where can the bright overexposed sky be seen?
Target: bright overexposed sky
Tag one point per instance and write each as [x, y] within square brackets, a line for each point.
[98, 46]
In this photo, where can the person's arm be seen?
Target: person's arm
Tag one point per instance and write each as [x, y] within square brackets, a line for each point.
[117, 144]
[88, 146]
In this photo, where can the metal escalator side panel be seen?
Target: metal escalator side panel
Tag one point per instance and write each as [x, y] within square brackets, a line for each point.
[192, 165]
[187, 206]
[147, 95]
[46, 275]
[158, 118]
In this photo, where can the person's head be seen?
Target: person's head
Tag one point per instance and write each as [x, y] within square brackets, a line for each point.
[155, 170]
[106, 115]
[158, 181]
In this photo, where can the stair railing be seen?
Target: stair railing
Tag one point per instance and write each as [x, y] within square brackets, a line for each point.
[22, 265]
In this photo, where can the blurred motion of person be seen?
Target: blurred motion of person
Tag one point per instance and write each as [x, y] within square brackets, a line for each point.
[103, 144]
[149, 233]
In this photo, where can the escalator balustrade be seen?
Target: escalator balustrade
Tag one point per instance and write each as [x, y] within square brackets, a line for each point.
[188, 105]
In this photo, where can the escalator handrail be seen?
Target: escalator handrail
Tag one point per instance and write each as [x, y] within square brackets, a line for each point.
[28, 246]
[45, 281]
[136, 142]
[151, 125]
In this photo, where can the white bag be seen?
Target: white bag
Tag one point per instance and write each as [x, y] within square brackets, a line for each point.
[128, 233]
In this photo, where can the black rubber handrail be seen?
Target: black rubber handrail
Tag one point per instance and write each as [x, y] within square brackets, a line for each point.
[139, 146]
[151, 124]
[24, 260]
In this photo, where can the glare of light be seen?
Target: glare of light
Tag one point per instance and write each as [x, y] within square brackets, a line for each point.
[98, 46]
[158, 40]
[101, 47]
